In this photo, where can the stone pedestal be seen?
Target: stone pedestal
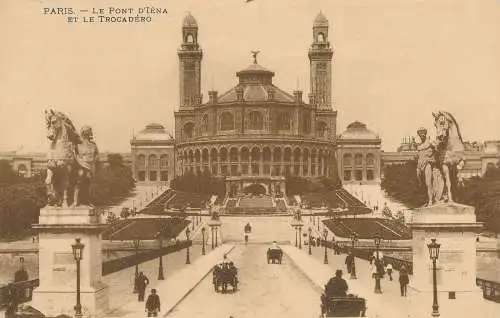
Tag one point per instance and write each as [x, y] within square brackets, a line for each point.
[58, 228]
[454, 227]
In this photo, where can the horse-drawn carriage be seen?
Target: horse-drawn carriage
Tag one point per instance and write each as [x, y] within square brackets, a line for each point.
[274, 255]
[223, 275]
[349, 306]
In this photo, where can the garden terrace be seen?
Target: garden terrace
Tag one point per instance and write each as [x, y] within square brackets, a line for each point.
[339, 198]
[366, 228]
[184, 199]
[146, 229]
[162, 200]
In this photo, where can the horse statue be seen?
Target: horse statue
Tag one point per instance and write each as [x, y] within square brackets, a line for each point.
[449, 151]
[66, 168]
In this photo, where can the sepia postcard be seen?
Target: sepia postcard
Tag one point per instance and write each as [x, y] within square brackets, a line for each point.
[250, 158]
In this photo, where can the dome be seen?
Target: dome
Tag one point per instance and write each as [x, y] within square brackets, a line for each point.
[189, 21]
[320, 20]
[255, 69]
[358, 130]
[153, 132]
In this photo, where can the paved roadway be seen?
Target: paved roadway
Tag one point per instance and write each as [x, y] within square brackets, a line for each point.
[276, 291]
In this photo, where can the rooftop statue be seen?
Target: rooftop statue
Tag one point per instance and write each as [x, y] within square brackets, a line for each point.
[70, 161]
[439, 161]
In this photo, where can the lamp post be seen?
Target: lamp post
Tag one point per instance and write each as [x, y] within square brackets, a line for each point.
[310, 230]
[77, 255]
[160, 266]
[203, 239]
[136, 247]
[300, 236]
[377, 238]
[216, 236]
[434, 254]
[296, 234]
[188, 261]
[354, 239]
[213, 241]
[325, 236]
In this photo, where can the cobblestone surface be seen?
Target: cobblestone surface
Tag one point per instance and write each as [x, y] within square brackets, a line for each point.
[265, 291]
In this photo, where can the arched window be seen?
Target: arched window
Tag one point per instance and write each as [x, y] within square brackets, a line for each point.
[164, 162]
[255, 121]
[141, 162]
[226, 121]
[321, 37]
[22, 170]
[370, 159]
[283, 121]
[204, 124]
[188, 130]
[321, 129]
[358, 159]
[152, 162]
[189, 38]
[347, 159]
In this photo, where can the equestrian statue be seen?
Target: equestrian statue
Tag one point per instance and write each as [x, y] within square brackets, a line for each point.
[71, 161]
[439, 161]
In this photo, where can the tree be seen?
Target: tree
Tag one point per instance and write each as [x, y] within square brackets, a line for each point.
[400, 183]
[7, 174]
[199, 183]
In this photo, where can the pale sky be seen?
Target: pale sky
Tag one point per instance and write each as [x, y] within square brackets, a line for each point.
[395, 62]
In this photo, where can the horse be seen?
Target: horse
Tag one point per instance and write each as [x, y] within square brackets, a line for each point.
[61, 157]
[450, 148]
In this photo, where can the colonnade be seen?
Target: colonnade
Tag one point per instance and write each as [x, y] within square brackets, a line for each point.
[258, 161]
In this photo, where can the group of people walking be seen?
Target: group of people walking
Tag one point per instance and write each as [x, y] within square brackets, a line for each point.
[380, 269]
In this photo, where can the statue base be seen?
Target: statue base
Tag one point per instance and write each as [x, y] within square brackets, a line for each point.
[58, 228]
[454, 227]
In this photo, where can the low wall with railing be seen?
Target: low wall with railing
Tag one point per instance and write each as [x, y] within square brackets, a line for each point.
[116, 265]
[17, 293]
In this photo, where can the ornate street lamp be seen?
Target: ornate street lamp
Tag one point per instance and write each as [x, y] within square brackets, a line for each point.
[434, 254]
[213, 240]
[325, 236]
[354, 239]
[377, 239]
[188, 261]
[203, 239]
[310, 230]
[160, 266]
[77, 255]
[136, 247]
[296, 234]
[216, 236]
[300, 235]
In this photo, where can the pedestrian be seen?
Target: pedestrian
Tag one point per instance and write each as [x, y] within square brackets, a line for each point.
[153, 304]
[318, 241]
[404, 279]
[141, 281]
[388, 269]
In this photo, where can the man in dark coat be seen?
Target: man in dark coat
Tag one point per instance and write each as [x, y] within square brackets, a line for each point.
[153, 304]
[404, 279]
[141, 281]
[336, 286]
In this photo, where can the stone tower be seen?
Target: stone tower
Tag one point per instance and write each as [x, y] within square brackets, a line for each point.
[320, 57]
[190, 55]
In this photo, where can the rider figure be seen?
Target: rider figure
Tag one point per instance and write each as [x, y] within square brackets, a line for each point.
[336, 287]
